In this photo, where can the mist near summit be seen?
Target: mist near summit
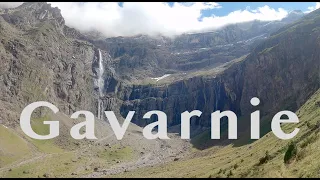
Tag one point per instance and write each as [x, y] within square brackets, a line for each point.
[155, 18]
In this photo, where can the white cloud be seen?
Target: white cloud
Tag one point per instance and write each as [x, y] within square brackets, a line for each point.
[264, 13]
[312, 8]
[9, 4]
[155, 17]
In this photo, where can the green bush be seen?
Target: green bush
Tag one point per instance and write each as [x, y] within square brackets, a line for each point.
[290, 153]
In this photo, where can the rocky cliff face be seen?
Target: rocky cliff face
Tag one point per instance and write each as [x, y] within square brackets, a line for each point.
[142, 56]
[199, 93]
[42, 60]
[283, 71]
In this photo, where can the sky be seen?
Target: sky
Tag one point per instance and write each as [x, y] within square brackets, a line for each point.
[153, 18]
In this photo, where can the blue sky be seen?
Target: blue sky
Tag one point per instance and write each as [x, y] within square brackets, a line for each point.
[234, 6]
[228, 7]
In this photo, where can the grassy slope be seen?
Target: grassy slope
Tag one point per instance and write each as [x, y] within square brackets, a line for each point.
[47, 146]
[57, 157]
[69, 164]
[244, 161]
[12, 147]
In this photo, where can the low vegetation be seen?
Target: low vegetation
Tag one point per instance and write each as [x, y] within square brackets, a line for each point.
[290, 153]
[266, 157]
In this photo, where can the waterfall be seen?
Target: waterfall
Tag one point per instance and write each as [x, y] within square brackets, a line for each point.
[100, 78]
[100, 85]
[99, 109]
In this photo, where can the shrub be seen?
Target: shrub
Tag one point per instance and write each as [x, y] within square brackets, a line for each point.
[235, 166]
[309, 125]
[290, 153]
[230, 173]
[308, 141]
[313, 127]
[264, 159]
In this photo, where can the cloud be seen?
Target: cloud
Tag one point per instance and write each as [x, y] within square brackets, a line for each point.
[264, 13]
[154, 18]
[132, 18]
[312, 8]
[9, 4]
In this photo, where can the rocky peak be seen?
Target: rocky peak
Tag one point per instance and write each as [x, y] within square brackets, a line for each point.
[44, 11]
[296, 12]
[293, 16]
[30, 14]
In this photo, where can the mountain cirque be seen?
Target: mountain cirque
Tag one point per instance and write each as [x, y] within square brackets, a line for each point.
[43, 59]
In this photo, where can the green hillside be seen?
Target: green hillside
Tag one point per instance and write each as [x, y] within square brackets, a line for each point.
[263, 158]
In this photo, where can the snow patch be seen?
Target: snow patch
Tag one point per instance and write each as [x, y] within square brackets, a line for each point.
[255, 38]
[226, 45]
[162, 77]
[268, 24]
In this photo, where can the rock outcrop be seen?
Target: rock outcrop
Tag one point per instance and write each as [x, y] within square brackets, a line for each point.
[42, 60]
